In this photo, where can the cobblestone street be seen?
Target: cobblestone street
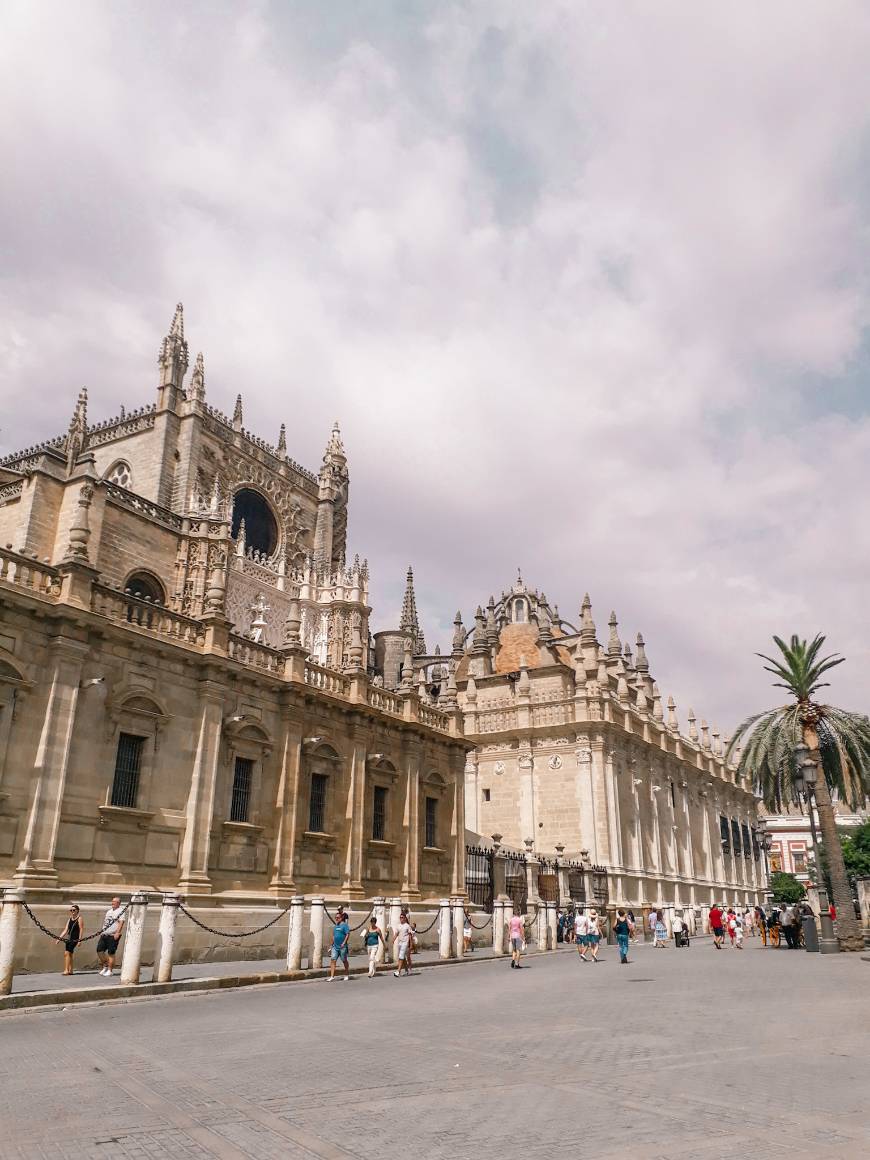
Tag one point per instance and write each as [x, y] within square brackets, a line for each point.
[681, 1054]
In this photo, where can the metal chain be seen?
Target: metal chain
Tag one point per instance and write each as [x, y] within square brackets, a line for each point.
[474, 925]
[431, 924]
[360, 925]
[234, 933]
[87, 938]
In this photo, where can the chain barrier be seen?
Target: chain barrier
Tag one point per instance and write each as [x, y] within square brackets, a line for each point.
[358, 926]
[87, 938]
[532, 917]
[234, 933]
[474, 925]
[426, 929]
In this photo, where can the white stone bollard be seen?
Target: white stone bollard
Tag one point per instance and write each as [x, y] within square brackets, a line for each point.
[166, 938]
[553, 920]
[459, 926]
[445, 929]
[315, 958]
[131, 964]
[497, 927]
[541, 927]
[395, 911]
[9, 919]
[379, 906]
[294, 933]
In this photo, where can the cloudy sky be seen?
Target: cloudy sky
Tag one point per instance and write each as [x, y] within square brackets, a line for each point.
[586, 285]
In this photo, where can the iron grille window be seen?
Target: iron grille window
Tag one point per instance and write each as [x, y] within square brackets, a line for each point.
[431, 821]
[744, 833]
[735, 837]
[128, 763]
[240, 803]
[379, 814]
[725, 833]
[756, 848]
[673, 796]
[317, 803]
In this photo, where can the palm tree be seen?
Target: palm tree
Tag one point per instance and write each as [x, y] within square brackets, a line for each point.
[839, 743]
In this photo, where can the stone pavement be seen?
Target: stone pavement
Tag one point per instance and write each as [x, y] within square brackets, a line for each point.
[696, 1054]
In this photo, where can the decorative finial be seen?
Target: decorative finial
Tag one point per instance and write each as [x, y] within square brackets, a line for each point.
[196, 390]
[658, 715]
[282, 440]
[458, 635]
[641, 663]
[673, 724]
[77, 436]
[614, 645]
[174, 357]
[693, 727]
[237, 414]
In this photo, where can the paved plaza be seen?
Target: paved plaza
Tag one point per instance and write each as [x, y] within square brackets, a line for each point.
[691, 1053]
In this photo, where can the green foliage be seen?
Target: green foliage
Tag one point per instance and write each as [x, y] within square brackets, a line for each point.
[856, 852]
[786, 888]
[844, 738]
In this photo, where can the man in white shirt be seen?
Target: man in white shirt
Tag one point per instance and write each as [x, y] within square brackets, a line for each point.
[581, 934]
[107, 944]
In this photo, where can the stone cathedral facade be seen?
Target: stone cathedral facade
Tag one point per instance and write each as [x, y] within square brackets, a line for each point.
[577, 755]
[186, 690]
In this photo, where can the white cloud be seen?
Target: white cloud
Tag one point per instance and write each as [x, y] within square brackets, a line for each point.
[564, 272]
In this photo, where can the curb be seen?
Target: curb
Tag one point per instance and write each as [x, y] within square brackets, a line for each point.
[31, 1001]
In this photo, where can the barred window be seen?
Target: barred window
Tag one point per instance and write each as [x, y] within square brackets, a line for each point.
[431, 821]
[240, 802]
[379, 814]
[317, 803]
[735, 837]
[725, 833]
[744, 834]
[128, 763]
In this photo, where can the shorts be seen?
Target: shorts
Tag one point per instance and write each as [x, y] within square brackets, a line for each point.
[516, 944]
[107, 944]
[593, 940]
[402, 950]
[337, 954]
[582, 940]
[718, 931]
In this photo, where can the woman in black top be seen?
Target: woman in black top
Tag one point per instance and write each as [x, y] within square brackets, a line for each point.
[71, 937]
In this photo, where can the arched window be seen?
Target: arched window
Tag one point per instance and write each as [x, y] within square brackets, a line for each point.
[146, 587]
[121, 473]
[261, 527]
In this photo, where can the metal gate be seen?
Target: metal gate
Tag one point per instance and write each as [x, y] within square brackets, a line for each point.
[479, 877]
[577, 883]
[600, 889]
[548, 882]
[515, 883]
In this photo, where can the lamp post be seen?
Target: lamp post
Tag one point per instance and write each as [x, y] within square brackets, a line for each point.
[765, 842]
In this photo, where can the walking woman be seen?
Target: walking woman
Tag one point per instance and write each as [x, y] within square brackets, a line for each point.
[593, 935]
[516, 933]
[661, 930]
[71, 938]
[374, 937]
[622, 930]
[402, 946]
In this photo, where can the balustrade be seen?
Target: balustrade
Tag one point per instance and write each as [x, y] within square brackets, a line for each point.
[255, 654]
[144, 614]
[27, 572]
[327, 680]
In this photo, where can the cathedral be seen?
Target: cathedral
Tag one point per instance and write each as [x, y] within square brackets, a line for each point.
[575, 753]
[187, 697]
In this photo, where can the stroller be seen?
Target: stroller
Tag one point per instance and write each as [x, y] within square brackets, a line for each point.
[681, 937]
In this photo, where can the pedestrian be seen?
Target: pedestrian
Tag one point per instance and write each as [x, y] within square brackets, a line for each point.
[71, 938]
[581, 934]
[660, 930]
[679, 927]
[761, 924]
[560, 927]
[716, 926]
[786, 922]
[516, 935]
[738, 932]
[651, 921]
[622, 929]
[569, 927]
[374, 938]
[338, 952]
[466, 936]
[731, 924]
[593, 934]
[107, 944]
[632, 926]
[402, 948]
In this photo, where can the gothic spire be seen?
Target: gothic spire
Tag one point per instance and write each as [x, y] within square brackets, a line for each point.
[237, 414]
[77, 436]
[174, 357]
[641, 663]
[587, 624]
[614, 645]
[409, 621]
[334, 448]
[282, 440]
[458, 635]
[196, 390]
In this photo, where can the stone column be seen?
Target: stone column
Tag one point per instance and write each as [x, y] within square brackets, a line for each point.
[203, 783]
[132, 960]
[355, 818]
[10, 917]
[687, 822]
[553, 924]
[499, 874]
[533, 867]
[294, 933]
[472, 791]
[380, 908]
[411, 820]
[613, 814]
[497, 927]
[48, 778]
[586, 799]
[458, 926]
[541, 926]
[287, 805]
[315, 957]
[457, 830]
[445, 929]
[165, 956]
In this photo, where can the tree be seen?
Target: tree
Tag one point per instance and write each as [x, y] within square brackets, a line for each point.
[786, 888]
[856, 851]
[839, 744]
